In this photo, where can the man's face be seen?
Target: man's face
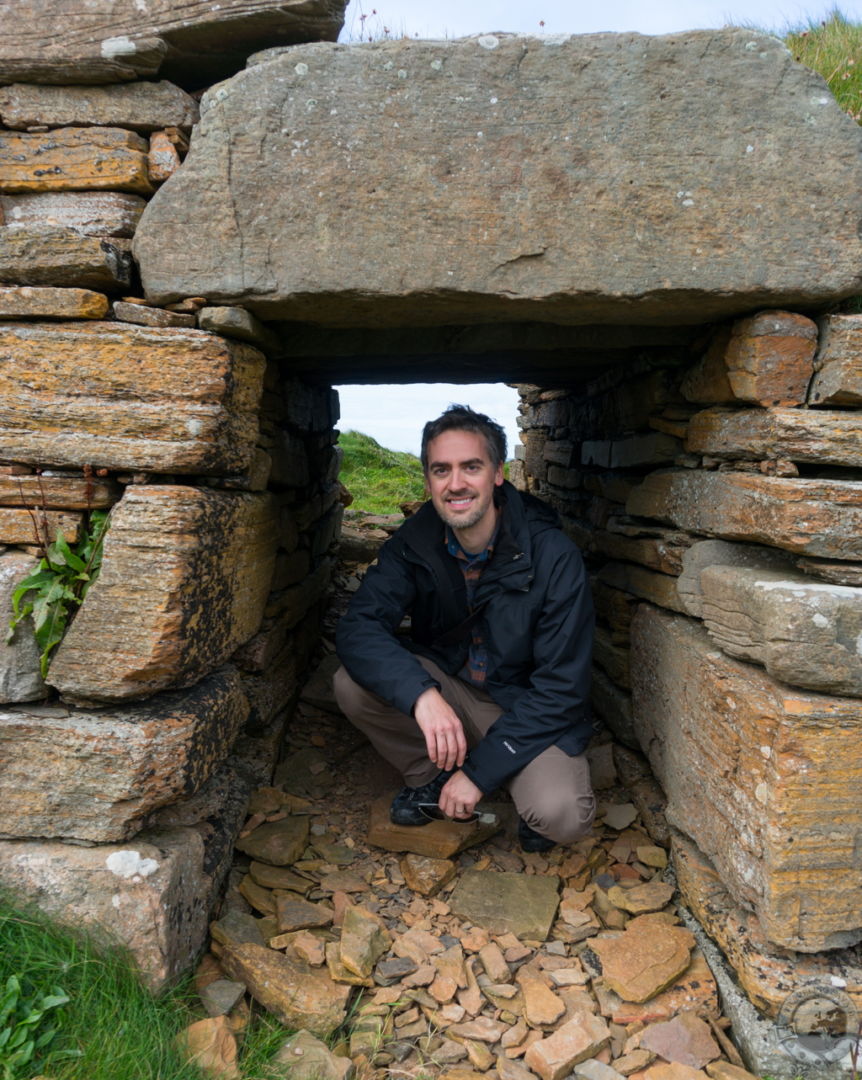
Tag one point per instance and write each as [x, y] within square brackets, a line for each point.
[461, 478]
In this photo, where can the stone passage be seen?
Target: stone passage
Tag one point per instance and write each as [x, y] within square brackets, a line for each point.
[610, 221]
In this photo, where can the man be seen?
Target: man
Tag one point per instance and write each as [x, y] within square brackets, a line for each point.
[491, 687]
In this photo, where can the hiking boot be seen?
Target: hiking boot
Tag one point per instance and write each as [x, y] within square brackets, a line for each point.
[532, 841]
[418, 805]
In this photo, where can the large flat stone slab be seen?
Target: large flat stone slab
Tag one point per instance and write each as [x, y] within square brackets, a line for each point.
[154, 895]
[28, 302]
[141, 106]
[509, 178]
[761, 777]
[805, 633]
[128, 397]
[809, 517]
[193, 42]
[95, 775]
[823, 437]
[508, 903]
[185, 576]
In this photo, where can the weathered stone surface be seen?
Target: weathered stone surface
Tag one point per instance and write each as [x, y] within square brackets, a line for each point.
[26, 302]
[809, 435]
[425, 875]
[142, 315]
[706, 553]
[508, 903]
[93, 213]
[74, 159]
[210, 1044]
[832, 570]
[686, 1039]
[656, 448]
[167, 618]
[18, 526]
[643, 960]
[804, 633]
[294, 913]
[163, 159]
[438, 839]
[20, 678]
[646, 584]
[59, 257]
[141, 106]
[812, 517]
[695, 990]
[195, 44]
[307, 1058]
[651, 546]
[838, 364]
[578, 1039]
[769, 358]
[97, 775]
[297, 994]
[768, 975]
[651, 896]
[364, 939]
[234, 322]
[124, 397]
[614, 706]
[739, 756]
[280, 843]
[154, 896]
[48, 491]
[608, 234]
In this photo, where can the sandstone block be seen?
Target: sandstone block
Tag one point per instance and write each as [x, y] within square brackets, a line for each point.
[142, 315]
[19, 527]
[706, 381]
[803, 632]
[96, 775]
[614, 707]
[124, 397]
[656, 548]
[809, 435]
[438, 840]
[185, 575]
[20, 678]
[57, 492]
[108, 41]
[580, 1038]
[93, 213]
[298, 995]
[154, 896]
[74, 159]
[141, 106]
[163, 159]
[838, 363]
[770, 358]
[614, 659]
[739, 756]
[646, 584]
[25, 302]
[767, 974]
[706, 553]
[237, 323]
[811, 517]
[656, 448]
[644, 960]
[607, 236]
[59, 257]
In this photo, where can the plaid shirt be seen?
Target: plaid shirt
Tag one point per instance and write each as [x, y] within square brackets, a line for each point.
[475, 669]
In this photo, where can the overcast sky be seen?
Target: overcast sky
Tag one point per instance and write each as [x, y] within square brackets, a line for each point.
[394, 415]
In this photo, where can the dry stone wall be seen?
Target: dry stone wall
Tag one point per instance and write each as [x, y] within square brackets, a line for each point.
[125, 772]
[718, 497]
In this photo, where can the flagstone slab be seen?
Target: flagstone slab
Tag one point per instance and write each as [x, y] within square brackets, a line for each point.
[279, 843]
[643, 960]
[93, 213]
[29, 302]
[508, 902]
[838, 363]
[52, 256]
[816, 436]
[438, 839]
[610, 233]
[141, 106]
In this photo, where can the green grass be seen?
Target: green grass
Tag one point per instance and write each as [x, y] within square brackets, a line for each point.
[120, 1029]
[834, 49]
[378, 479]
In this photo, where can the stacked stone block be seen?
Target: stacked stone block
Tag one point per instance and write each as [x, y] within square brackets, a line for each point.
[124, 774]
[718, 498]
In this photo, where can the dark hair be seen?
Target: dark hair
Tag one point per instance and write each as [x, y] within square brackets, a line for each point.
[462, 418]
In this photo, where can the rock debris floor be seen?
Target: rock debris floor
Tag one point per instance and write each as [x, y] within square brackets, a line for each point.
[433, 958]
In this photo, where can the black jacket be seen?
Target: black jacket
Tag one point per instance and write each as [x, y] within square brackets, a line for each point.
[538, 628]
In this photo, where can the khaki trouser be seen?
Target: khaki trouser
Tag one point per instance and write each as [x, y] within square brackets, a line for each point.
[552, 794]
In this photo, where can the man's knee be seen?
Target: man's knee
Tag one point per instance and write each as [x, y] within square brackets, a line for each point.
[563, 816]
[349, 694]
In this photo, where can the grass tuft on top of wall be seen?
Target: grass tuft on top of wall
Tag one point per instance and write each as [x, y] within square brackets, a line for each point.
[833, 48]
[378, 479]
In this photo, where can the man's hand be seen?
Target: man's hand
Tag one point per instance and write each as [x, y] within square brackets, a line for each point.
[443, 731]
[459, 796]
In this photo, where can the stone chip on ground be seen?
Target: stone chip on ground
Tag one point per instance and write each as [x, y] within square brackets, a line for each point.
[685, 1039]
[641, 899]
[211, 1045]
[640, 963]
[279, 843]
[364, 939]
[580, 1038]
[307, 1058]
[426, 875]
[438, 839]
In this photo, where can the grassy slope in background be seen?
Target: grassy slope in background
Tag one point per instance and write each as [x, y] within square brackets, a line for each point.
[377, 478]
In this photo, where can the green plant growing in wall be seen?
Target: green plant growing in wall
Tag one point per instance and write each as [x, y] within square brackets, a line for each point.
[55, 590]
